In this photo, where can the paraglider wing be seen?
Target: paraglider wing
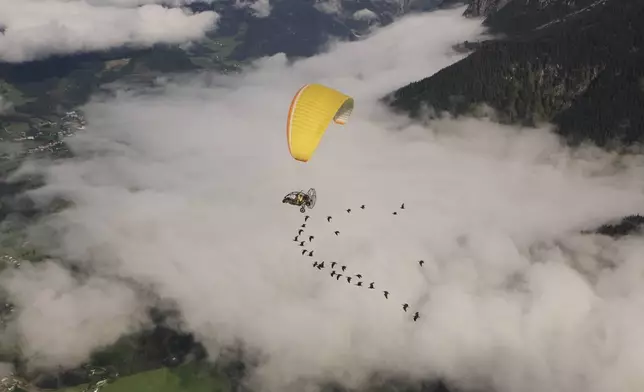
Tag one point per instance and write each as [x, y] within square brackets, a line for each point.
[311, 112]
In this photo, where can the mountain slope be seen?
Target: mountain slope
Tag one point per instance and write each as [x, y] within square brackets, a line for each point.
[583, 72]
[517, 16]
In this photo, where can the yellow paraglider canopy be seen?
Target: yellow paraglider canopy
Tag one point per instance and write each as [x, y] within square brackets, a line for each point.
[311, 111]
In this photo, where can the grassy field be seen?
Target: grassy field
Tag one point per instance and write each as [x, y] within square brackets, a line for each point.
[185, 378]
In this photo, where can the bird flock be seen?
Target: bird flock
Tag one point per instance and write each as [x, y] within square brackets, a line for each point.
[338, 270]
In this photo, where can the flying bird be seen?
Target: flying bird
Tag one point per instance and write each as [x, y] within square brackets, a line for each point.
[299, 232]
[302, 243]
[386, 293]
[306, 218]
[359, 284]
[303, 225]
[371, 285]
[311, 238]
[311, 254]
[348, 279]
[416, 316]
[296, 239]
[328, 218]
[405, 306]
[344, 267]
[394, 213]
[349, 211]
[303, 251]
[421, 262]
[336, 232]
[402, 206]
[362, 206]
[359, 276]
[322, 264]
[333, 263]
[337, 277]
[332, 273]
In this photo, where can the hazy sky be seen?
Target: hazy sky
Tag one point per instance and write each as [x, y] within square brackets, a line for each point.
[180, 190]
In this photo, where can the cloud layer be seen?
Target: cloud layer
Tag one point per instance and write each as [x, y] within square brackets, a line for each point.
[34, 29]
[180, 191]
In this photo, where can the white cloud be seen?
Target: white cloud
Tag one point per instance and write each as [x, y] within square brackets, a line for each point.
[329, 6]
[39, 28]
[261, 8]
[365, 14]
[182, 191]
[88, 314]
[136, 3]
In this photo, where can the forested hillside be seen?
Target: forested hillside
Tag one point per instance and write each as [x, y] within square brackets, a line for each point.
[582, 70]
